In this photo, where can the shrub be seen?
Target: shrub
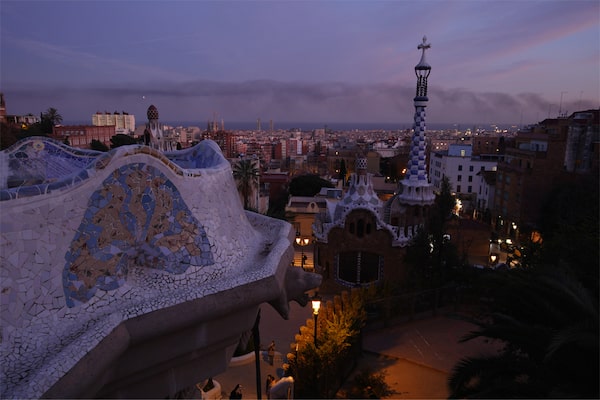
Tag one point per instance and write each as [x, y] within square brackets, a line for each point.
[369, 385]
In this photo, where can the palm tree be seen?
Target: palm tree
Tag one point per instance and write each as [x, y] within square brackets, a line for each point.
[49, 119]
[246, 175]
[548, 323]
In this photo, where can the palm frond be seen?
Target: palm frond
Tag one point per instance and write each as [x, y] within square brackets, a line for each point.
[584, 335]
[488, 376]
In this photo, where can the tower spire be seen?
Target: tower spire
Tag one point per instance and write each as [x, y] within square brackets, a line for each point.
[422, 70]
[416, 170]
[416, 187]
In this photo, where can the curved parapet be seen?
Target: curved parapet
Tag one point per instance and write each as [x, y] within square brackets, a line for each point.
[93, 240]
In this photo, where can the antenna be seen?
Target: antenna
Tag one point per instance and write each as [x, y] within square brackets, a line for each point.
[521, 120]
[560, 105]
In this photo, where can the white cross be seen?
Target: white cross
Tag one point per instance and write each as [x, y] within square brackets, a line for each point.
[424, 46]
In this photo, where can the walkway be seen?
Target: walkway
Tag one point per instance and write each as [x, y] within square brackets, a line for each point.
[416, 357]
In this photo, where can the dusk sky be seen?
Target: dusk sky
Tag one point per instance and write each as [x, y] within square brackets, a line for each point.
[310, 61]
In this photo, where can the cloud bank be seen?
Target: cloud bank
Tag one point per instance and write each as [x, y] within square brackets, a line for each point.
[200, 100]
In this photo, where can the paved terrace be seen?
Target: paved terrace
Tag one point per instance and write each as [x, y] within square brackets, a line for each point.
[416, 356]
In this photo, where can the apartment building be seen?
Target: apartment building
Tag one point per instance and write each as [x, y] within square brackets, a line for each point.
[124, 123]
[81, 136]
[461, 167]
[544, 155]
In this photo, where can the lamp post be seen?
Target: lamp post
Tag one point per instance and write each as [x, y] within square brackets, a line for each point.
[300, 241]
[316, 304]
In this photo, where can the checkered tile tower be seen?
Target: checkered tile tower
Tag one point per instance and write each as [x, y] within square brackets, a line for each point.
[416, 188]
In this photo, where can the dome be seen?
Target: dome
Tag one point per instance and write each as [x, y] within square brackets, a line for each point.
[152, 112]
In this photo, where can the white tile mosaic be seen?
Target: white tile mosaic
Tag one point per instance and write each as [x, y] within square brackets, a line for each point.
[89, 256]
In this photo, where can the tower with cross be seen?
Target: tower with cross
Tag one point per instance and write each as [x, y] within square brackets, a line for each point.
[409, 208]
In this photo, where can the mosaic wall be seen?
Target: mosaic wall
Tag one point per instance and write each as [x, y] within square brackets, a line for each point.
[137, 218]
[90, 240]
[39, 161]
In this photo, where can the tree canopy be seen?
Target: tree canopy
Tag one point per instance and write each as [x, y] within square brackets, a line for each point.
[119, 140]
[49, 119]
[246, 175]
[98, 145]
[548, 323]
[308, 185]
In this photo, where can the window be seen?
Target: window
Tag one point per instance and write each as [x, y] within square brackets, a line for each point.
[460, 167]
[358, 267]
[369, 267]
[458, 188]
[471, 168]
[360, 228]
[459, 178]
[470, 178]
[348, 270]
[469, 189]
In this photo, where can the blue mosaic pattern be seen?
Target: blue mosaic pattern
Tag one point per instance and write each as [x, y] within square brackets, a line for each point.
[40, 165]
[416, 164]
[137, 218]
[36, 161]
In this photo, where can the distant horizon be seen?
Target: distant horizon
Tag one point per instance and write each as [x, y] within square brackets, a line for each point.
[335, 126]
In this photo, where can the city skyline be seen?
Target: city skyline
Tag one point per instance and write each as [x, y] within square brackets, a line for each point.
[322, 62]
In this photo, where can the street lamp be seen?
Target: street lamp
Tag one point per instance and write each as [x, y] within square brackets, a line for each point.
[302, 242]
[316, 304]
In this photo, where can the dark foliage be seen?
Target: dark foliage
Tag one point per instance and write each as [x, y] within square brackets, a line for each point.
[121, 140]
[308, 185]
[9, 135]
[570, 228]
[98, 145]
[370, 385]
[548, 323]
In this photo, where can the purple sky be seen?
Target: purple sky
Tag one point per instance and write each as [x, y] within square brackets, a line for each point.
[310, 61]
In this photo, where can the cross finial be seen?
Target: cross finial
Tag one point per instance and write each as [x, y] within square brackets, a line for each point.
[424, 46]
